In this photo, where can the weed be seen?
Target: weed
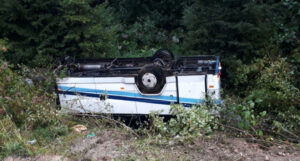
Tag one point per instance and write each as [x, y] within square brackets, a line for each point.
[11, 140]
[187, 124]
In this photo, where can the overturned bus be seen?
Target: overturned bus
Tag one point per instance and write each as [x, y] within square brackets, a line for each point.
[139, 85]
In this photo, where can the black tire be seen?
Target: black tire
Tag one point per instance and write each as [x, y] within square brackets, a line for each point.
[163, 58]
[154, 71]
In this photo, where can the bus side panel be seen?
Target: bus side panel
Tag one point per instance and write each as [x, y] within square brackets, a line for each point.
[147, 108]
[92, 95]
[116, 90]
[213, 86]
[191, 89]
[81, 104]
[165, 98]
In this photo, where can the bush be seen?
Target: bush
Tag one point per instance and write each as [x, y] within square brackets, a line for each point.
[30, 111]
[243, 116]
[270, 103]
[274, 89]
[26, 104]
[276, 93]
[187, 124]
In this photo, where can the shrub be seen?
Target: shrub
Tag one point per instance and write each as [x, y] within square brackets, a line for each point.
[187, 123]
[26, 104]
[274, 89]
[271, 99]
[243, 116]
[276, 93]
[30, 111]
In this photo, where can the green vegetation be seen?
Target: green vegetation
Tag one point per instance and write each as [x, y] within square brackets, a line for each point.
[30, 113]
[39, 32]
[258, 42]
[186, 126]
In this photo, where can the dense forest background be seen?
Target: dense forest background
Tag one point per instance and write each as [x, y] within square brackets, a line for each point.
[258, 42]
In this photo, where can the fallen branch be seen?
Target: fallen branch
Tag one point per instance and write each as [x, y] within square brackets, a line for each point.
[247, 133]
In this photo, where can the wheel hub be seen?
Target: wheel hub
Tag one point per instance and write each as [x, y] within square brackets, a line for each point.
[149, 80]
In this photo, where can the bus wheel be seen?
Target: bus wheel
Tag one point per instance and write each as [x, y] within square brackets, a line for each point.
[163, 58]
[151, 79]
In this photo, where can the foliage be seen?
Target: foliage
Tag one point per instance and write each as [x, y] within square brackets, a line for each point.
[276, 93]
[187, 124]
[147, 25]
[29, 112]
[258, 42]
[274, 88]
[39, 32]
[143, 52]
[91, 29]
[243, 116]
[241, 33]
[20, 141]
[226, 28]
[48, 134]
[271, 99]
[11, 141]
[136, 38]
[286, 18]
[3, 47]
[258, 45]
[164, 14]
[139, 35]
[24, 103]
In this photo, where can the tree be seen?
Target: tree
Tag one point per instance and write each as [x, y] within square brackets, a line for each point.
[92, 29]
[241, 32]
[165, 14]
[227, 28]
[38, 31]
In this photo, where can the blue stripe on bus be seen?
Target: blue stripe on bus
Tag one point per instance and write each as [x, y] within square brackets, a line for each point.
[131, 98]
[119, 98]
[130, 94]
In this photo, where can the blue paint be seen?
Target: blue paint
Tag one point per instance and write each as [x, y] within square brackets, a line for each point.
[128, 96]
[163, 102]
[217, 65]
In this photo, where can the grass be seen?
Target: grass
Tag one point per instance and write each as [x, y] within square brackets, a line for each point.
[57, 139]
[118, 143]
[20, 141]
[144, 149]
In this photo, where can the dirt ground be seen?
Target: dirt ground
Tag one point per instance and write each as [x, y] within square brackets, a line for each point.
[113, 144]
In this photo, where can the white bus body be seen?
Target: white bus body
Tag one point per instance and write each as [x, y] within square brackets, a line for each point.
[120, 94]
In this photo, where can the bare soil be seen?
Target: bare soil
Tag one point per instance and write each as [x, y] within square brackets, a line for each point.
[106, 145]
[119, 145]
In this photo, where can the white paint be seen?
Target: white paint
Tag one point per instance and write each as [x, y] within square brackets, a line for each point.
[190, 86]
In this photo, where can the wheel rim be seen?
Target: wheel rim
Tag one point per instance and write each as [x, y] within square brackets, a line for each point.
[149, 80]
